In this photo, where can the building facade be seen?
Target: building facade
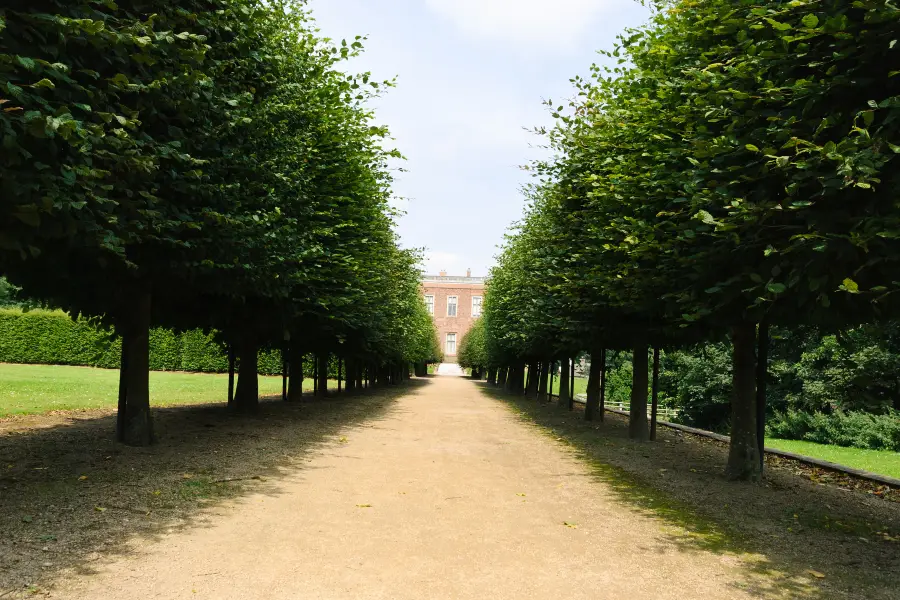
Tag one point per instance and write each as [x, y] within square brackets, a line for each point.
[455, 303]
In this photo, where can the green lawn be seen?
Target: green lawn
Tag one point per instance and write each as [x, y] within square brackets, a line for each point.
[876, 461]
[34, 389]
[580, 385]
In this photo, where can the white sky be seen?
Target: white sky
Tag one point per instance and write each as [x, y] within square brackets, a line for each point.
[472, 75]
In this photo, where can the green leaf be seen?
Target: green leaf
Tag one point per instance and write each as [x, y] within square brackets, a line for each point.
[45, 83]
[778, 26]
[776, 288]
[810, 20]
[26, 62]
[706, 217]
[751, 148]
[850, 286]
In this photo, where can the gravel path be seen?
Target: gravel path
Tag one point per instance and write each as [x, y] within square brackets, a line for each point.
[448, 495]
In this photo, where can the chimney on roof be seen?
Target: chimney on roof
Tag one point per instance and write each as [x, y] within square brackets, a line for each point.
[468, 272]
[443, 273]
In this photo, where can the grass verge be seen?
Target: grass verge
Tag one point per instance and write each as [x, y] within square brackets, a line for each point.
[882, 462]
[37, 389]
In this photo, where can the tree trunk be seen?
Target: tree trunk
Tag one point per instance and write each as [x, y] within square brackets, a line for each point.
[284, 375]
[246, 399]
[593, 387]
[563, 402]
[743, 454]
[136, 425]
[654, 394]
[492, 376]
[501, 377]
[637, 418]
[340, 374]
[231, 361]
[542, 383]
[520, 380]
[762, 375]
[552, 380]
[322, 372]
[572, 386]
[529, 377]
[603, 386]
[123, 394]
[295, 370]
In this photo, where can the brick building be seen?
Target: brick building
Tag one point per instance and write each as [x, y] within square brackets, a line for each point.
[454, 303]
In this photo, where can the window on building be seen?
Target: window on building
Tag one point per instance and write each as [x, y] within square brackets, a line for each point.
[451, 344]
[476, 306]
[451, 306]
[429, 302]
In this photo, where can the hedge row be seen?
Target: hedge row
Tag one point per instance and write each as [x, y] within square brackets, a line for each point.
[856, 429]
[53, 338]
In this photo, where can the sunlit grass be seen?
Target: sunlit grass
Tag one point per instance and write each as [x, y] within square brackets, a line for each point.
[35, 389]
[882, 462]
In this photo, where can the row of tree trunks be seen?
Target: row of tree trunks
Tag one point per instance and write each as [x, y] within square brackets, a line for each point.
[749, 372]
[492, 376]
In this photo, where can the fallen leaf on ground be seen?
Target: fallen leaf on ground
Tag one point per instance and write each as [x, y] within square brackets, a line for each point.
[816, 574]
[82, 478]
[570, 525]
[522, 495]
[363, 506]
[99, 509]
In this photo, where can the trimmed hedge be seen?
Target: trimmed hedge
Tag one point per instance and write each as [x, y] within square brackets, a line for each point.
[53, 338]
[856, 429]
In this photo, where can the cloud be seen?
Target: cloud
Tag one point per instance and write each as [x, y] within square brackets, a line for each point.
[557, 23]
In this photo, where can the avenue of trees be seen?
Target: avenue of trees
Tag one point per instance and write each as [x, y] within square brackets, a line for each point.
[736, 171]
[203, 164]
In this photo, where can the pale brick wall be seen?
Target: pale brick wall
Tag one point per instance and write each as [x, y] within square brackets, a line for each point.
[464, 288]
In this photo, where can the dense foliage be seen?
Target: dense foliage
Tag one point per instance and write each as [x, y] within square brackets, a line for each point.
[472, 353]
[736, 171]
[202, 164]
[53, 338]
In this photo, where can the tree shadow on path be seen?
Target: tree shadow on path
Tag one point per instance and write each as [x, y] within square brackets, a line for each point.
[790, 537]
[71, 496]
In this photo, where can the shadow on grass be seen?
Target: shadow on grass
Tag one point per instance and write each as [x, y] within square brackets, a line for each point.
[790, 537]
[71, 496]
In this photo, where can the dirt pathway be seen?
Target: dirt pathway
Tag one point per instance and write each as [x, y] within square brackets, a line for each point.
[447, 496]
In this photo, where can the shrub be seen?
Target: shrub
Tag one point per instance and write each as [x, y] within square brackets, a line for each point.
[856, 429]
[53, 338]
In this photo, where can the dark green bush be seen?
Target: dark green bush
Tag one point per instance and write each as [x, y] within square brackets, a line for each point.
[856, 429]
[53, 338]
